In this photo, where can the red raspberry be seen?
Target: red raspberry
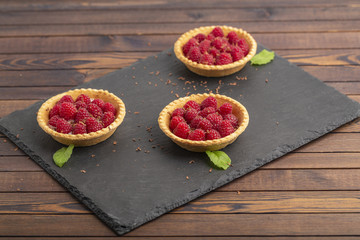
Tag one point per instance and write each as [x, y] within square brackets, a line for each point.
[194, 54]
[175, 121]
[63, 126]
[207, 59]
[200, 37]
[93, 125]
[82, 115]
[190, 114]
[79, 128]
[244, 46]
[236, 53]
[225, 128]
[53, 120]
[217, 32]
[192, 104]
[80, 104]
[210, 37]
[178, 112]
[205, 124]
[182, 130]
[108, 107]
[233, 37]
[195, 122]
[66, 98]
[67, 110]
[223, 58]
[212, 134]
[225, 109]
[206, 111]
[83, 98]
[95, 110]
[233, 119]
[98, 102]
[204, 46]
[214, 52]
[197, 135]
[191, 43]
[215, 119]
[54, 111]
[209, 102]
[107, 119]
[218, 43]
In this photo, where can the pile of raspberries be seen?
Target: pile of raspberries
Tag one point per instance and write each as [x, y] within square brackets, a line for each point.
[215, 48]
[200, 122]
[84, 115]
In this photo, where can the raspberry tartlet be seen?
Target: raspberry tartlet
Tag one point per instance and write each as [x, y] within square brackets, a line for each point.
[82, 117]
[196, 119]
[217, 50]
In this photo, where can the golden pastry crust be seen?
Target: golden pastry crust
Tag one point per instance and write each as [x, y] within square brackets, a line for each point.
[209, 145]
[82, 139]
[214, 70]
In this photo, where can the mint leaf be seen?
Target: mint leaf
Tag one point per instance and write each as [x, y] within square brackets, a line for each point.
[262, 57]
[219, 159]
[62, 155]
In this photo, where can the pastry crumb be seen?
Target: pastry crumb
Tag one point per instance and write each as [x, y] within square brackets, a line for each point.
[113, 150]
[136, 113]
[191, 161]
[187, 177]
[115, 142]
[210, 170]
[83, 171]
[138, 149]
[92, 155]
[238, 192]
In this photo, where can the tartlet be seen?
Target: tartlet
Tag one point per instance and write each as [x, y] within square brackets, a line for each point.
[209, 145]
[214, 70]
[88, 139]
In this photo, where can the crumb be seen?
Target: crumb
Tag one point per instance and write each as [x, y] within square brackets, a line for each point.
[5, 141]
[181, 78]
[138, 149]
[146, 151]
[149, 83]
[168, 81]
[136, 83]
[83, 171]
[133, 68]
[157, 73]
[21, 129]
[187, 177]
[92, 155]
[15, 149]
[191, 161]
[174, 84]
[238, 192]
[155, 55]
[277, 123]
[133, 77]
[151, 73]
[149, 44]
[153, 146]
[134, 140]
[187, 82]
[148, 129]
[177, 95]
[115, 142]
[18, 135]
[18, 189]
[266, 80]
[232, 84]
[170, 74]
[114, 150]
[97, 165]
[151, 140]
[210, 170]
[155, 84]
[129, 111]
[144, 67]
[136, 113]
[171, 91]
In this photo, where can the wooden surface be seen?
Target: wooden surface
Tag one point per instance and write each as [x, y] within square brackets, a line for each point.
[47, 47]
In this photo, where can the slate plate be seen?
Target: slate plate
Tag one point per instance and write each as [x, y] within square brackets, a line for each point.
[126, 188]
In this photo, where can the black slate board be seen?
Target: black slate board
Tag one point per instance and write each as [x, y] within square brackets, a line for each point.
[126, 188]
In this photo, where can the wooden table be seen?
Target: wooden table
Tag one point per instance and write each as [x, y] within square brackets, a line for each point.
[47, 47]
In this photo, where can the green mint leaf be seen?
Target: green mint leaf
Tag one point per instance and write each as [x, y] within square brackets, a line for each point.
[219, 159]
[62, 155]
[262, 57]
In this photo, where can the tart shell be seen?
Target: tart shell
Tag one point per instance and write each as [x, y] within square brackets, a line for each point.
[209, 145]
[82, 140]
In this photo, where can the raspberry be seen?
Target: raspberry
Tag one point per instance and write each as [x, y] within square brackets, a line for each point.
[63, 126]
[178, 112]
[107, 119]
[108, 107]
[195, 122]
[182, 130]
[67, 110]
[233, 37]
[54, 111]
[200, 37]
[95, 110]
[215, 119]
[192, 104]
[236, 53]
[210, 37]
[209, 102]
[79, 128]
[191, 43]
[217, 32]
[225, 109]
[80, 104]
[92, 125]
[66, 98]
[207, 59]
[218, 43]
[214, 52]
[98, 102]
[205, 124]
[244, 46]
[204, 46]
[175, 121]
[233, 119]
[83, 98]
[212, 134]
[197, 135]
[223, 58]
[190, 114]
[194, 54]
[206, 111]
[82, 115]
[53, 120]
[225, 128]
